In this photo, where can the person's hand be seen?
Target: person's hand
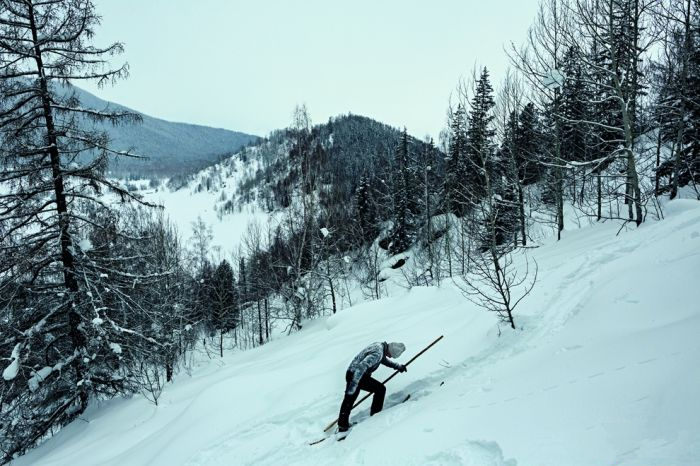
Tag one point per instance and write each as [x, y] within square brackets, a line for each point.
[402, 368]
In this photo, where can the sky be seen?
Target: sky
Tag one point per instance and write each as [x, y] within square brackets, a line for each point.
[245, 65]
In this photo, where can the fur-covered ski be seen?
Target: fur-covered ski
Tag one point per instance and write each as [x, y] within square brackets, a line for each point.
[339, 436]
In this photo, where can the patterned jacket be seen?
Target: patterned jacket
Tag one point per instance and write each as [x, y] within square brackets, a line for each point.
[366, 362]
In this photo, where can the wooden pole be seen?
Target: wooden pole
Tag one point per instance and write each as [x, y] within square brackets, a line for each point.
[329, 426]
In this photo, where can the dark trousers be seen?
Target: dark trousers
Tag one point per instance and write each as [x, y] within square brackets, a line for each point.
[368, 384]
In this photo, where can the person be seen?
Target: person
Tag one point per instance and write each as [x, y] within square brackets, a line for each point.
[359, 377]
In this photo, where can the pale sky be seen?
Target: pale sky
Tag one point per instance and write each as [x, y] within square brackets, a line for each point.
[244, 65]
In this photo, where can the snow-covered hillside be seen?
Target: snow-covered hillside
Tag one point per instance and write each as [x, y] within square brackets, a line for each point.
[260, 182]
[602, 371]
[212, 195]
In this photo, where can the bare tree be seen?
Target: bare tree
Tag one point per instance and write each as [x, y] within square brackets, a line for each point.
[539, 61]
[491, 280]
[601, 21]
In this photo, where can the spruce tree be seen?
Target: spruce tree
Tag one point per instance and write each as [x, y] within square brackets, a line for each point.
[456, 164]
[678, 103]
[402, 236]
[223, 303]
[480, 139]
[366, 209]
[528, 138]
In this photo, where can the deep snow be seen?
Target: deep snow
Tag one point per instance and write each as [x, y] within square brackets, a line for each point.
[190, 203]
[603, 370]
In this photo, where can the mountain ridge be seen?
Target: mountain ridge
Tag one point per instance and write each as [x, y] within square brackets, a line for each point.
[184, 146]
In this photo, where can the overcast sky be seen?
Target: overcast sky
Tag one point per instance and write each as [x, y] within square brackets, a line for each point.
[243, 65]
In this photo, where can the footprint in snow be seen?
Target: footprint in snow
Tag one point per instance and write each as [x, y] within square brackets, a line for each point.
[646, 361]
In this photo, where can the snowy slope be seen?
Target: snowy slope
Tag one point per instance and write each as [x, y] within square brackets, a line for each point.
[193, 201]
[603, 371]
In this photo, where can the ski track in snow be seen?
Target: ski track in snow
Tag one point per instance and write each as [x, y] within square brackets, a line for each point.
[602, 373]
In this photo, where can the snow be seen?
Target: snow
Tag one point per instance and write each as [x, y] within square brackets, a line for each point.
[85, 245]
[554, 79]
[601, 371]
[187, 205]
[12, 370]
[325, 232]
[38, 377]
[116, 348]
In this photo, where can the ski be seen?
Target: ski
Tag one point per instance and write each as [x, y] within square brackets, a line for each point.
[340, 436]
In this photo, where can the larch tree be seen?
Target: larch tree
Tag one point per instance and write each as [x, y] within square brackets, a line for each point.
[66, 270]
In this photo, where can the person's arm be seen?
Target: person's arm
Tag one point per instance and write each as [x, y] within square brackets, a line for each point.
[393, 364]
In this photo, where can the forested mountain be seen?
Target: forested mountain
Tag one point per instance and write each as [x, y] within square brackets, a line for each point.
[170, 148]
[331, 160]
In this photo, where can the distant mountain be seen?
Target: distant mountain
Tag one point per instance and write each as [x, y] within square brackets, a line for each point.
[341, 151]
[172, 148]
[264, 178]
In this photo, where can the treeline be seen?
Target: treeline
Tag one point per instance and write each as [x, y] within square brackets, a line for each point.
[598, 117]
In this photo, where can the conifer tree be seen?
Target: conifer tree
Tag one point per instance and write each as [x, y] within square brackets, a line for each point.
[456, 163]
[243, 282]
[574, 114]
[66, 284]
[480, 139]
[402, 236]
[528, 138]
[678, 103]
[223, 303]
[366, 209]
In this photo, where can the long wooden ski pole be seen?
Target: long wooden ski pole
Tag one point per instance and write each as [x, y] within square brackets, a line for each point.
[329, 426]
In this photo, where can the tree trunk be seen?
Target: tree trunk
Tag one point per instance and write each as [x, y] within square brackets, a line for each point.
[560, 201]
[599, 188]
[65, 239]
[521, 206]
[330, 283]
[632, 176]
[267, 321]
[658, 163]
[558, 170]
[260, 325]
[680, 133]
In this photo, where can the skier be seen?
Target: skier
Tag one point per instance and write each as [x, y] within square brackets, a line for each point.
[359, 377]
